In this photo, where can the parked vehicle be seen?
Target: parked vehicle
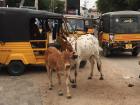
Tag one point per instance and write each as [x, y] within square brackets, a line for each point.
[24, 37]
[77, 26]
[90, 25]
[120, 31]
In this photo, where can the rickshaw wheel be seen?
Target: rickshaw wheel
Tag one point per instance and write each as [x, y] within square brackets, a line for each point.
[106, 52]
[16, 68]
[135, 53]
[83, 64]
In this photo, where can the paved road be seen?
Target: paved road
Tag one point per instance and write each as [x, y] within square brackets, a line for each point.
[119, 71]
[18, 90]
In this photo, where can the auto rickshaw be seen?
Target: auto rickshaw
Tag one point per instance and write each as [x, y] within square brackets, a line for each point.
[80, 24]
[77, 26]
[90, 25]
[24, 37]
[120, 31]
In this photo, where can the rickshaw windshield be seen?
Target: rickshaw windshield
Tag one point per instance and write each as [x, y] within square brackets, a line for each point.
[75, 25]
[125, 24]
[89, 23]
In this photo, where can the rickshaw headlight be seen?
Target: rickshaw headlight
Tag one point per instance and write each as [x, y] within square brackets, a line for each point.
[111, 37]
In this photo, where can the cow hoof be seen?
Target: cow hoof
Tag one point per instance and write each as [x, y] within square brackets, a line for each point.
[72, 81]
[130, 85]
[89, 78]
[60, 93]
[101, 78]
[74, 86]
[69, 97]
[50, 88]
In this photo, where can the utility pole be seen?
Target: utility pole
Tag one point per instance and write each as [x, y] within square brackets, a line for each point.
[52, 5]
[21, 3]
[65, 6]
[36, 4]
[85, 3]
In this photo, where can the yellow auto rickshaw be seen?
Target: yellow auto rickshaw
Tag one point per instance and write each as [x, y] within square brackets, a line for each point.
[24, 37]
[90, 25]
[78, 25]
[120, 31]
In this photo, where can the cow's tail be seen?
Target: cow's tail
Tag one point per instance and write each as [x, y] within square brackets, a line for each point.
[100, 49]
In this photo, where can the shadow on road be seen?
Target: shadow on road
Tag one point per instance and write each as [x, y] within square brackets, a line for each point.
[35, 69]
[28, 70]
[3, 71]
[125, 55]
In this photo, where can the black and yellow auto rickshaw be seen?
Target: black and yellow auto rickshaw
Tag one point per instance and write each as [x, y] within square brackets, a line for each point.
[90, 25]
[77, 26]
[24, 37]
[80, 25]
[120, 31]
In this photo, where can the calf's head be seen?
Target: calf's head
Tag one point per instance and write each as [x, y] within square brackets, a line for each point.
[68, 57]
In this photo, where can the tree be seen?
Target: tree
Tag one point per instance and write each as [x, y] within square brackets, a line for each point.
[13, 3]
[117, 5]
[43, 4]
[58, 5]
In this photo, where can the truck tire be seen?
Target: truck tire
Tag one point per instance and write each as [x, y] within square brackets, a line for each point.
[135, 52]
[16, 68]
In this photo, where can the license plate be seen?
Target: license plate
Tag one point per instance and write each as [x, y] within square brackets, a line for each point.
[128, 46]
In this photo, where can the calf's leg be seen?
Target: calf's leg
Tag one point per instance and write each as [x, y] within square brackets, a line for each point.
[60, 93]
[50, 78]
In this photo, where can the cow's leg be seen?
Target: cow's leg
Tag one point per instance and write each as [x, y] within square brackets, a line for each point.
[74, 85]
[68, 83]
[70, 79]
[60, 93]
[99, 66]
[92, 62]
[50, 78]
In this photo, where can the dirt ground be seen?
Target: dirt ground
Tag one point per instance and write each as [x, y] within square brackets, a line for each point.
[32, 87]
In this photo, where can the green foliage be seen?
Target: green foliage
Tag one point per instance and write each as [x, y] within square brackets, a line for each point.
[117, 5]
[59, 6]
[43, 4]
[46, 4]
[29, 2]
[13, 3]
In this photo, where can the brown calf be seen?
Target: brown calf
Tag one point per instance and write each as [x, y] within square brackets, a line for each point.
[59, 61]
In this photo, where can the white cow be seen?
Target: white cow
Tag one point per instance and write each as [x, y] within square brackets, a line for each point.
[87, 48]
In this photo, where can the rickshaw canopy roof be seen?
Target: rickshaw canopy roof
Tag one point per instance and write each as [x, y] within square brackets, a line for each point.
[29, 12]
[122, 13]
[15, 22]
[124, 22]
